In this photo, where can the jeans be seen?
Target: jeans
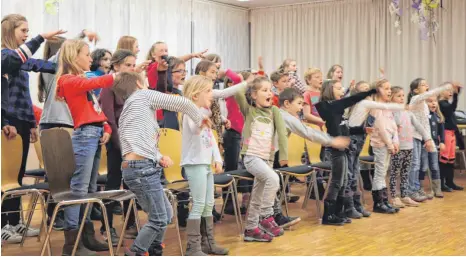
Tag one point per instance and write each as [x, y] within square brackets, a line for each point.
[86, 146]
[353, 152]
[339, 174]
[419, 163]
[432, 159]
[201, 184]
[143, 179]
[382, 162]
[264, 191]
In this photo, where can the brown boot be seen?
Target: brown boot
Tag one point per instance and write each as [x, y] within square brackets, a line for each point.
[437, 187]
[89, 239]
[70, 239]
[208, 242]
[193, 247]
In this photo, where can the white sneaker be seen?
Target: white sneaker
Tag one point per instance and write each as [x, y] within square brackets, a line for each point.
[30, 233]
[9, 236]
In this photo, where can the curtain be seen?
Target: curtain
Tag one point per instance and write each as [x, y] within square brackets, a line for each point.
[360, 35]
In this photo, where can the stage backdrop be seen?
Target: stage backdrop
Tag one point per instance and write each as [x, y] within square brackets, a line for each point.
[361, 36]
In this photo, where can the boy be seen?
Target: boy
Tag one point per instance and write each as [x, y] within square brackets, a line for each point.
[280, 82]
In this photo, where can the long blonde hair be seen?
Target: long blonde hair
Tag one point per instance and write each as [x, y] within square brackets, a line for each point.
[126, 43]
[151, 50]
[377, 85]
[438, 111]
[196, 84]
[9, 24]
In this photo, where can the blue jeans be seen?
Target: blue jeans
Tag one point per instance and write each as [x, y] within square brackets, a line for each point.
[143, 179]
[419, 163]
[432, 159]
[201, 184]
[86, 146]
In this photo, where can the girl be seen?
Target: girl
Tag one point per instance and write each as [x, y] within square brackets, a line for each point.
[128, 43]
[91, 130]
[100, 65]
[122, 61]
[358, 115]
[262, 122]
[199, 147]
[331, 107]
[289, 66]
[313, 78]
[419, 93]
[447, 155]
[142, 161]
[335, 73]
[401, 161]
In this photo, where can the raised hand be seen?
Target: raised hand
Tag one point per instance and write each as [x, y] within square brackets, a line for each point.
[340, 142]
[51, 34]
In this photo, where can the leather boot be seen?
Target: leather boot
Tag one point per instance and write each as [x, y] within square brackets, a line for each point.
[89, 239]
[359, 206]
[329, 217]
[450, 174]
[340, 210]
[193, 247]
[70, 239]
[379, 205]
[436, 186]
[155, 249]
[386, 202]
[350, 211]
[443, 177]
[208, 243]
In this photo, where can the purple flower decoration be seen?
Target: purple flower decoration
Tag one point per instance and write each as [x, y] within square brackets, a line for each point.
[416, 4]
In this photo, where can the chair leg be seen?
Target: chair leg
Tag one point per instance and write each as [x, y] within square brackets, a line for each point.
[136, 216]
[81, 227]
[235, 205]
[224, 204]
[32, 205]
[49, 230]
[44, 225]
[44, 221]
[283, 194]
[107, 227]
[307, 195]
[317, 195]
[174, 202]
[361, 188]
[125, 222]
[429, 174]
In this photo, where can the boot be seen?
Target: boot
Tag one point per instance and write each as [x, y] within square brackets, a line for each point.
[96, 213]
[155, 249]
[340, 209]
[359, 206]
[424, 193]
[70, 239]
[379, 205]
[329, 217]
[350, 211]
[386, 202]
[193, 247]
[443, 176]
[437, 188]
[450, 174]
[89, 239]
[208, 243]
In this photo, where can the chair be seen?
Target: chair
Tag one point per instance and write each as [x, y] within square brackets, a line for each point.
[37, 174]
[12, 152]
[60, 165]
[365, 158]
[103, 170]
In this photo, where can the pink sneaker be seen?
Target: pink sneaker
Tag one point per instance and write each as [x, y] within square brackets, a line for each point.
[269, 226]
[256, 235]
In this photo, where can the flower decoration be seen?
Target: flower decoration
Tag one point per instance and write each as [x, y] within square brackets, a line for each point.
[424, 15]
[52, 6]
[395, 10]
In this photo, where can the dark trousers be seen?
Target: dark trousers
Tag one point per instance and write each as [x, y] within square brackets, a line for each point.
[24, 130]
[11, 205]
[339, 174]
[353, 152]
[114, 177]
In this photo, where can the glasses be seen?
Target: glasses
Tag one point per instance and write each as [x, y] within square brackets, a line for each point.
[180, 71]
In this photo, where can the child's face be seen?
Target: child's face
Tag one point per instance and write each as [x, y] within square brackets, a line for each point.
[128, 65]
[295, 107]
[263, 96]
[338, 91]
[385, 92]
[422, 88]
[282, 83]
[399, 97]
[364, 87]
[179, 74]
[432, 103]
[292, 66]
[204, 98]
[159, 51]
[22, 33]
[338, 74]
[447, 94]
[136, 47]
[84, 60]
[316, 80]
[211, 73]
[105, 62]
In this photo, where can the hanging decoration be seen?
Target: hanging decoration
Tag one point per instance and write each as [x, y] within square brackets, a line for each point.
[395, 10]
[52, 6]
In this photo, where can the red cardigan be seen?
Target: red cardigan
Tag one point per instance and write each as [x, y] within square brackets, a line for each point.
[234, 114]
[82, 103]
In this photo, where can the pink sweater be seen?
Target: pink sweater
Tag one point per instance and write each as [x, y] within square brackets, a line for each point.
[234, 114]
[385, 129]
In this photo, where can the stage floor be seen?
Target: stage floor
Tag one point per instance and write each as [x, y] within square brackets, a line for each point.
[437, 227]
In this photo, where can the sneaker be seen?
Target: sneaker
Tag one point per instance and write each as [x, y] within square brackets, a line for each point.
[9, 236]
[396, 202]
[409, 202]
[285, 222]
[131, 232]
[292, 198]
[418, 198]
[423, 193]
[113, 234]
[20, 228]
[128, 252]
[256, 235]
[269, 226]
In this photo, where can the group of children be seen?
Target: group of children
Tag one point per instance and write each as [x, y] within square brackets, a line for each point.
[106, 99]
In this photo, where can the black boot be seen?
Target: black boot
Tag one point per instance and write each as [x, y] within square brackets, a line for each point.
[379, 205]
[216, 215]
[340, 209]
[350, 211]
[183, 209]
[155, 249]
[70, 239]
[450, 174]
[386, 202]
[359, 207]
[443, 176]
[96, 213]
[89, 239]
[329, 217]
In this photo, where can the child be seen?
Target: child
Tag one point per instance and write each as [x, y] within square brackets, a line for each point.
[128, 43]
[100, 65]
[199, 147]
[419, 93]
[447, 155]
[142, 161]
[335, 73]
[280, 81]
[358, 116]
[289, 66]
[91, 130]
[313, 77]
[331, 107]
[262, 122]
[291, 102]
[401, 161]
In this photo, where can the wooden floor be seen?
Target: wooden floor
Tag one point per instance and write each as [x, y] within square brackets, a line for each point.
[437, 227]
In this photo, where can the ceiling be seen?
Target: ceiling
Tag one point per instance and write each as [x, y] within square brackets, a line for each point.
[265, 3]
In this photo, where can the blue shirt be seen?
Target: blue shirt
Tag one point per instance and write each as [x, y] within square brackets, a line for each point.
[94, 74]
